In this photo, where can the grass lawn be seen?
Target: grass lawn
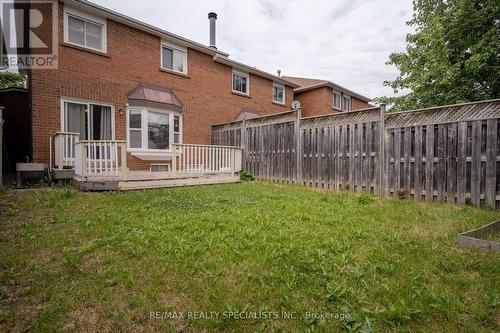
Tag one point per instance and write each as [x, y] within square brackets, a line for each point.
[73, 261]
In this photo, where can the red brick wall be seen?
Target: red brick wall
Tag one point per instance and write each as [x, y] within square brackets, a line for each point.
[133, 57]
[315, 102]
[319, 101]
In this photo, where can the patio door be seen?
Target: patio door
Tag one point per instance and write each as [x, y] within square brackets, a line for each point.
[92, 121]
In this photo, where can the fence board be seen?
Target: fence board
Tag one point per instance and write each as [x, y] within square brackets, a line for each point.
[439, 154]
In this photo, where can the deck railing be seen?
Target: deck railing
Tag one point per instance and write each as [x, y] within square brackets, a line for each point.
[64, 149]
[205, 159]
[95, 158]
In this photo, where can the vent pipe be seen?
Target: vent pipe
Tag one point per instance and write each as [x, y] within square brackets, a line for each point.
[212, 17]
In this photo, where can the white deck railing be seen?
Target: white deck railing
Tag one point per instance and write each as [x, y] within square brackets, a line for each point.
[64, 149]
[205, 159]
[96, 158]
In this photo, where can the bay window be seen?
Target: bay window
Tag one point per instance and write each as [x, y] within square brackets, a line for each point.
[153, 130]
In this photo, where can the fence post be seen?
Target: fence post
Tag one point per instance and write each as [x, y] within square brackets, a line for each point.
[243, 144]
[381, 158]
[298, 146]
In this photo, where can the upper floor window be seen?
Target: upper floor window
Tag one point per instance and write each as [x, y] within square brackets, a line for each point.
[84, 30]
[174, 58]
[278, 93]
[241, 83]
[346, 103]
[336, 100]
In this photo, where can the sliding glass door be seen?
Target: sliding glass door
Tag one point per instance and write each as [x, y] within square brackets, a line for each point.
[92, 121]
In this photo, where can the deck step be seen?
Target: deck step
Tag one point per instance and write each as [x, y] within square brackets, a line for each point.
[165, 183]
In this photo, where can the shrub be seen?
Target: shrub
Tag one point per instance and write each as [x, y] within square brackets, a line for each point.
[365, 199]
[246, 175]
[469, 202]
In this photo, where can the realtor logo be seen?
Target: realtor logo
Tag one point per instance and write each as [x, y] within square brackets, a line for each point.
[29, 34]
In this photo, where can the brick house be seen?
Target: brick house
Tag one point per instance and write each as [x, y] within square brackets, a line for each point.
[105, 58]
[318, 97]
[130, 89]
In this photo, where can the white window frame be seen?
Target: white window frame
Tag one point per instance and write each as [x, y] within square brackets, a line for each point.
[144, 125]
[335, 93]
[277, 85]
[88, 103]
[85, 17]
[159, 164]
[174, 48]
[242, 74]
[180, 128]
[350, 102]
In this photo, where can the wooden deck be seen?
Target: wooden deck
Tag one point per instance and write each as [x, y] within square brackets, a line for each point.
[140, 180]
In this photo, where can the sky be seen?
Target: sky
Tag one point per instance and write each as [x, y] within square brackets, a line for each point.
[344, 41]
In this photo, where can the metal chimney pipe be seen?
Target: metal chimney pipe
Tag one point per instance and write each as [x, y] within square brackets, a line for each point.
[212, 17]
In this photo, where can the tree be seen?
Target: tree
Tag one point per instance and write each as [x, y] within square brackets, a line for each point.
[11, 79]
[453, 56]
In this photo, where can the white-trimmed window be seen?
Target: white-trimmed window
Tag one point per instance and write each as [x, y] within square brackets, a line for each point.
[159, 167]
[153, 130]
[278, 93]
[241, 83]
[173, 58]
[93, 120]
[84, 30]
[336, 100]
[346, 103]
[177, 129]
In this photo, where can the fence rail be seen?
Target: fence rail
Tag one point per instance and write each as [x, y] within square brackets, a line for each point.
[205, 159]
[448, 154]
[64, 152]
[96, 158]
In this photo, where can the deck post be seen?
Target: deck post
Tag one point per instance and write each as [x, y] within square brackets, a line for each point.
[381, 159]
[123, 155]
[298, 138]
[174, 160]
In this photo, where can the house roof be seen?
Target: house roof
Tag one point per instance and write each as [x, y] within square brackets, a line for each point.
[306, 84]
[246, 114]
[219, 56]
[150, 95]
[12, 89]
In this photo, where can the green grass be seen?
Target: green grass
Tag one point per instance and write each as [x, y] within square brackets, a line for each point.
[73, 261]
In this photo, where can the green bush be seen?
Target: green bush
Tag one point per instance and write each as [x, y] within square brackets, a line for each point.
[246, 175]
[365, 199]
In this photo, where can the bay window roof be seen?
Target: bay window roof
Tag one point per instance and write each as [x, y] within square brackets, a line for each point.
[153, 96]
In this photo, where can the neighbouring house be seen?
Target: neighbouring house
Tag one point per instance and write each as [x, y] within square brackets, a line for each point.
[319, 97]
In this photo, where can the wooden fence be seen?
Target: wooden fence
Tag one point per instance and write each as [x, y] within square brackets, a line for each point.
[449, 153]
